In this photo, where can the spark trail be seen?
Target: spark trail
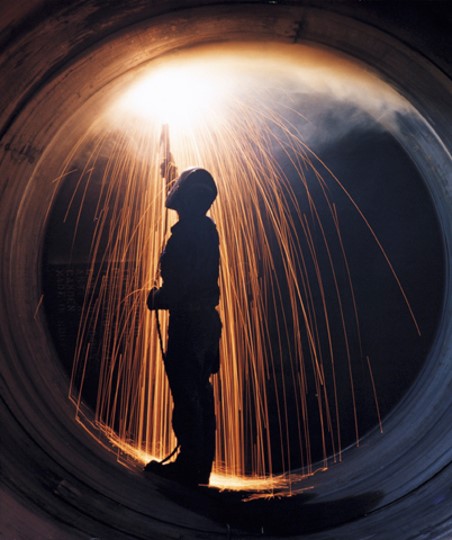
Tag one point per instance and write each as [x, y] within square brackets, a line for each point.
[289, 312]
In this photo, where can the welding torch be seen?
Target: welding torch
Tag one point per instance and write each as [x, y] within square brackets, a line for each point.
[168, 169]
[168, 172]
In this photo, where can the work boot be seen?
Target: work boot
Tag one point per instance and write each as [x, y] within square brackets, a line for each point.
[174, 471]
[169, 471]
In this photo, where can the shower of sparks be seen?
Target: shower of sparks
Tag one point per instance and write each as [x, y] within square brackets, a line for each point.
[278, 351]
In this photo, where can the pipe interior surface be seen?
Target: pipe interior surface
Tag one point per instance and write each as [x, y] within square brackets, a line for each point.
[54, 475]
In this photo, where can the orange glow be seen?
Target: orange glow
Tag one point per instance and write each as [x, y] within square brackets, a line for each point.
[174, 94]
[257, 213]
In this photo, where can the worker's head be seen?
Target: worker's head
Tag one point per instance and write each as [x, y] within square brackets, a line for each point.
[192, 193]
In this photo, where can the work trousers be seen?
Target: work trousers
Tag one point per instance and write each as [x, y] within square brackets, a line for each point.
[192, 356]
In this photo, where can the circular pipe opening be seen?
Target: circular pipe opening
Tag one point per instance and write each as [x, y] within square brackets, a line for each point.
[25, 336]
[350, 250]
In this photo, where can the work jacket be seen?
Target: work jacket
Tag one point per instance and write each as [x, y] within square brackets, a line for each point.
[189, 267]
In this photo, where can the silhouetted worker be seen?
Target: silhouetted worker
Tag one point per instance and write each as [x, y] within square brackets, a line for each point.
[189, 267]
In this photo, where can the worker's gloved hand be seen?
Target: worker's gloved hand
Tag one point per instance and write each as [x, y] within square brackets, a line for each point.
[152, 300]
[168, 169]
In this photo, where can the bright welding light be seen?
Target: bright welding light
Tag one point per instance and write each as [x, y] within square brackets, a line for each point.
[179, 96]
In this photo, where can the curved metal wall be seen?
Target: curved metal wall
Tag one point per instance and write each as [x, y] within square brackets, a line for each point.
[55, 479]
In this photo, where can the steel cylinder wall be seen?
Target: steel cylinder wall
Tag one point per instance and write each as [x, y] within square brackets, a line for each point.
[55, 59]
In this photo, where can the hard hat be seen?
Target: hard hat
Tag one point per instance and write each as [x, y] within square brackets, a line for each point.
[193, 191]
